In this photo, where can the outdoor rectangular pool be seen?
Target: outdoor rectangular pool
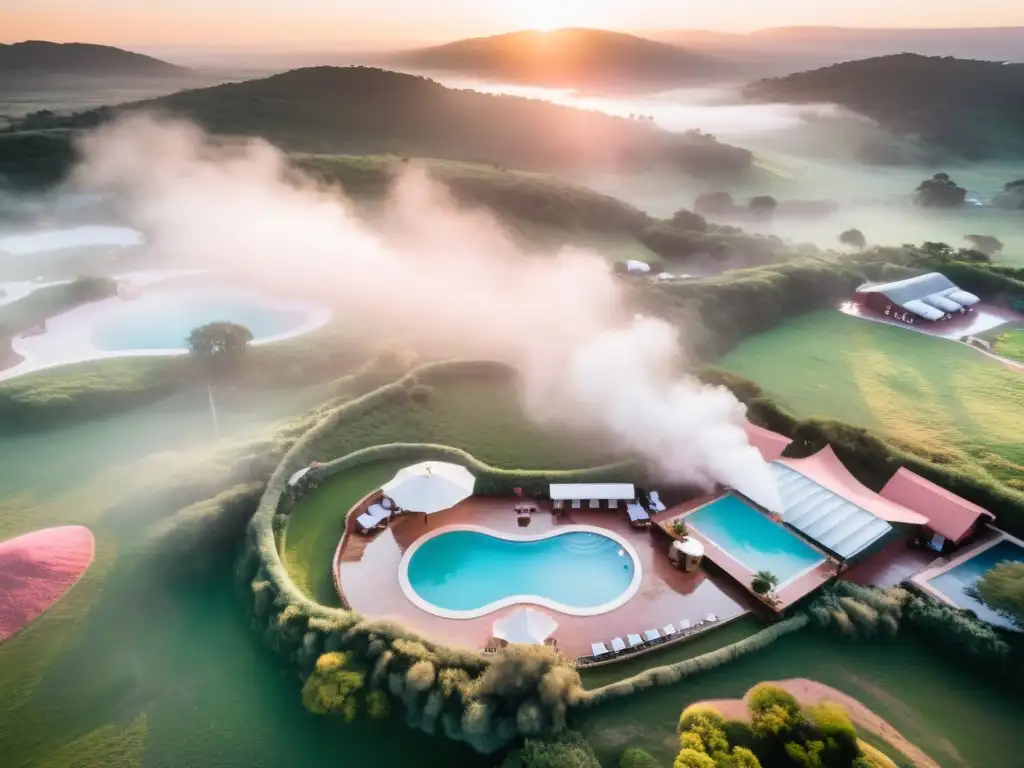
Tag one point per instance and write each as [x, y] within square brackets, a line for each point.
[753, 540]
[957, 582]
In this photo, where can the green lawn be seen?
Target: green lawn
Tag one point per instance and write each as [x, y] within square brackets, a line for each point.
[703, 643]
[920, 390]
[960, 720]
[1010, 344]
[316, 524]
[482, 417]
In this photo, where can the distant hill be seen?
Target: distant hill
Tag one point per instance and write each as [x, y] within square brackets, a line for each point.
[781, 51]
[968, 108]
[36, 56]
[364, 111]
[570, 58]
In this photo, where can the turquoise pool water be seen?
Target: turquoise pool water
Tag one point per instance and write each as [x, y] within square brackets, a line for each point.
[957, 583]
[468, 570]
[753, 539]
[162, 322]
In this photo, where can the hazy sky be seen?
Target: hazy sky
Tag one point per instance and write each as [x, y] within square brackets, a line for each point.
[284, 23]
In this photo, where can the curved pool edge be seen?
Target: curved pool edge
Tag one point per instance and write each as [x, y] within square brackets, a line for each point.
[424, 605]
[62, 346]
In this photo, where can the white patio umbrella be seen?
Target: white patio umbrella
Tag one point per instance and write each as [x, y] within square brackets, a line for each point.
[430, 486]
[526, 626]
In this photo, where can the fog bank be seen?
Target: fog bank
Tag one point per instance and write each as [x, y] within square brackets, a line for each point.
[447, 281]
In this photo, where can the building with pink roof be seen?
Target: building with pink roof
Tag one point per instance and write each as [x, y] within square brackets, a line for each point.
[770, 444]
[949, 516]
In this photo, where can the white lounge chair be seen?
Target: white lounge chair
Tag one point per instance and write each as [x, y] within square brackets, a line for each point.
[651, 635]
[668, 630]
[684, 625]
[654, 502]
[598, 649]
[618, 644]
[373, 518]
[638, 516]
[595, 503]
[634, 640]
[711, 618]
[575, 503]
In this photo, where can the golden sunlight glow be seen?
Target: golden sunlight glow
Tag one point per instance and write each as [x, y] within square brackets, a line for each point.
[547, 15]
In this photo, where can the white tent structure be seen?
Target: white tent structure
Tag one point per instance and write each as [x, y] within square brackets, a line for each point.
[525, 626]
[430, 486]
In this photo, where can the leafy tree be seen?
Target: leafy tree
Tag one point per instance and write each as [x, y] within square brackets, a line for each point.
[570, 750]
[637, 758]
[223, 344]
[987, 244]
[686, 219]
[715, 204]
[970, 254]
[764, 582]
[853, 238]
[1002, 588]
[691, 758]
[940, 191]
[333, 686]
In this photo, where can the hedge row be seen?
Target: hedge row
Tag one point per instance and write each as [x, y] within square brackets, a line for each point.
[672, 673]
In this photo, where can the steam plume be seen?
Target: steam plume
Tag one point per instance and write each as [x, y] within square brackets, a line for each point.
[446, 280]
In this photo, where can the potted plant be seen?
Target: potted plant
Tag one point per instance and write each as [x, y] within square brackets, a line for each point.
[763, 584]
[679, 528]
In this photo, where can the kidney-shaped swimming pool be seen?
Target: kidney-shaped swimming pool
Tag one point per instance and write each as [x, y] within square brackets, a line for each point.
[468, 571]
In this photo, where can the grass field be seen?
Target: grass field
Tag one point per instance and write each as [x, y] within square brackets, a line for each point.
[919, 390]
[134, 669]
[958, 719]
[1010, 344]
[317, 523]
[481, 417]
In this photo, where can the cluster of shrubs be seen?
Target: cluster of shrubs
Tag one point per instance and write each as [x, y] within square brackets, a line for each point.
[780, 734]
[858, 612]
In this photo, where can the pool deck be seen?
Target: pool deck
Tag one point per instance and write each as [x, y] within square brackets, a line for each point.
[791, 592]
[367, 575]
[986, 540]
[895, 563]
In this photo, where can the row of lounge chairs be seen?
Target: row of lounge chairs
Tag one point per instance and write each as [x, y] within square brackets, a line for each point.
[377, 516]
[637, 642]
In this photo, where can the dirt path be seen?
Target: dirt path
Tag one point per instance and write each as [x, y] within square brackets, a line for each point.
[809, 692]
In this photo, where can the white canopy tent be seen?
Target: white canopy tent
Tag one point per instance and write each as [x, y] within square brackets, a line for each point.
[525, 626]
[430, 486]
[594, 493]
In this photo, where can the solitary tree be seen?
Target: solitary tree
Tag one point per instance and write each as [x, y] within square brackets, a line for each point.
[221, 344]
[853, 238]
[940, 191]
[1002, 588]
[715, 204]
[986, 244]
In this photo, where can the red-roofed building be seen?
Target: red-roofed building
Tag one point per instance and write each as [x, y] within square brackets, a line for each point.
[770, 444]
[949, 516]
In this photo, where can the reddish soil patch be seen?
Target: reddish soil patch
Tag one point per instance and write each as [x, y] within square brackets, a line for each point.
[37, 569]
[809, 692]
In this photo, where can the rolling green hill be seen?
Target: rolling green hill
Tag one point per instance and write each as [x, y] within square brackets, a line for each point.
[364, 111]
[968, 108]
[570, 58]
